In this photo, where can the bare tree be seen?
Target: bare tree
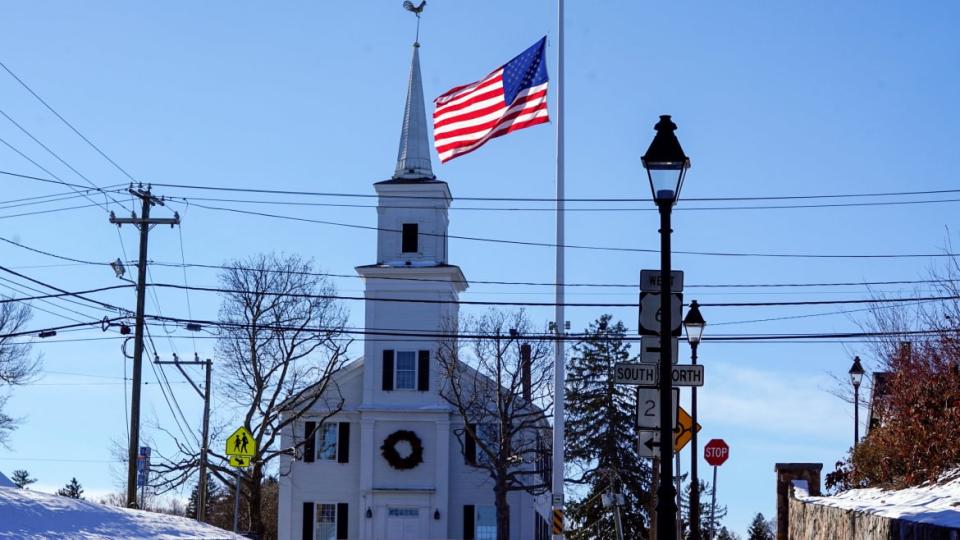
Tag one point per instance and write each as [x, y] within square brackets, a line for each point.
[17, 365]
[281, 339]
[498, 377]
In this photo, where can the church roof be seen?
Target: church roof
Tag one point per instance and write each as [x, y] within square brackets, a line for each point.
[413, 158]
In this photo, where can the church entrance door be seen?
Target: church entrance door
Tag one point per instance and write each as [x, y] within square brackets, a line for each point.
[404, 523]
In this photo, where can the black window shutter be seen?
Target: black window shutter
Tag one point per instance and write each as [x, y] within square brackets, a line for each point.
[342, 521]
[388, 370]
[343, 443]
[468, 527]
[423, 371]
[409, 238]
[308, 521]
[309, 445]
[470, 445]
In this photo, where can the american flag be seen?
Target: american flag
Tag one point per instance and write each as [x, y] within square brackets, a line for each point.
[512, 97]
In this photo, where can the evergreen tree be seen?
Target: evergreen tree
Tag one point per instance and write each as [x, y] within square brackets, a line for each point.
[760, 529]
[213, 492]
[725, 534]
[706, 524]
[22, 478]
[601, 434]
[73, 489]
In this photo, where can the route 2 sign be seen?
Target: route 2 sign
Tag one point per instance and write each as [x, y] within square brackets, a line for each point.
[648, 407]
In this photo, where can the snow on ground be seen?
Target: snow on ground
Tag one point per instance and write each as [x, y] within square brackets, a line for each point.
[937, 503]
[34, 515]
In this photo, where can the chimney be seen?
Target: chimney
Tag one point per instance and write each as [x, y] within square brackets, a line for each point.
[525, 375]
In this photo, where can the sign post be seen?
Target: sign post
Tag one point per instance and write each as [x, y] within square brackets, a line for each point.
[716, 453]
[242, 448]
[143, 473]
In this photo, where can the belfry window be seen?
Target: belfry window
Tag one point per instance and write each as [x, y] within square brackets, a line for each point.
[410, 237]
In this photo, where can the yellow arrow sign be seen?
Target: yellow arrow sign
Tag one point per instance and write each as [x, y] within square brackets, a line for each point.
[684, 430]
[239, 462]
[241, 443]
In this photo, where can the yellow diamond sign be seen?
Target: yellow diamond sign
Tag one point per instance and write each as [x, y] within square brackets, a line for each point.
[241, 444]
[683, 432]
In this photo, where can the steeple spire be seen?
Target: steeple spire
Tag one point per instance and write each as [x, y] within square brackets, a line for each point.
[413, 159]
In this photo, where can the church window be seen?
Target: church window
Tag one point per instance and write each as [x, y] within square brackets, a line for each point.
[410, 237]
[406, 370]
[326, 522]
[486, 521]
[327, 442]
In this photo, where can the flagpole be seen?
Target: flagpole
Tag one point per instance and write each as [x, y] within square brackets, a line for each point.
[560, 320]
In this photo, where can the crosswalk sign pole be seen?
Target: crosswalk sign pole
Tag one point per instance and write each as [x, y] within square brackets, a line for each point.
[236, 503]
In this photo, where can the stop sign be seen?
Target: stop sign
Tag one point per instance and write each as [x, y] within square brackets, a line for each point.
[716, 452]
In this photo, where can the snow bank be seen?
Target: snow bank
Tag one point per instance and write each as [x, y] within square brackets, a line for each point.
[33, 515]
[935, 504]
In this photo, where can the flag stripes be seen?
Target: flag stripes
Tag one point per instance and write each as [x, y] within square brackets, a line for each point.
[468, 116]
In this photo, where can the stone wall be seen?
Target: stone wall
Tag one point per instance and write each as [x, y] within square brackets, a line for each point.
[808, 520]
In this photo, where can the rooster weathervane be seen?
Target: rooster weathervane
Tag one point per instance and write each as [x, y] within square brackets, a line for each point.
[416, 10]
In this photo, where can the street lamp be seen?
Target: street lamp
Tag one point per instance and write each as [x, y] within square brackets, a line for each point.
[694, 325]
[666, 165]
[856, 377]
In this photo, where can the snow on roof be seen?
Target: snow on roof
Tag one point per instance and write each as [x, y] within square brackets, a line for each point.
[6, 482]
[32, 514]
[936, 504]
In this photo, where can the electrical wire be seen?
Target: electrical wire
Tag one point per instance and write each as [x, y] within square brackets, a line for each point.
[579, 246]
[552, 199]
[57, 156]
[64, 120]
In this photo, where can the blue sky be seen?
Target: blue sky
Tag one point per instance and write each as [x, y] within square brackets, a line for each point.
[771, 100]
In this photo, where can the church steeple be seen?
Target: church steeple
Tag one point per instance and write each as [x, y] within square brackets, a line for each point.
[413, 159]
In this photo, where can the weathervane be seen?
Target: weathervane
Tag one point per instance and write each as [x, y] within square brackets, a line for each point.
[416, 10]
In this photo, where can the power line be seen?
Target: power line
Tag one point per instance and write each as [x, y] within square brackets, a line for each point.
[55, 155]
[553, 199]
[551, 304]
[189, 200]
[68, 124]
[506, 282]
[580, 246]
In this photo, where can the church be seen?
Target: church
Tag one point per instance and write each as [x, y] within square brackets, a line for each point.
[389, 465]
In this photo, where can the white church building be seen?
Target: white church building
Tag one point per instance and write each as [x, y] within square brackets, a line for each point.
[341, 485]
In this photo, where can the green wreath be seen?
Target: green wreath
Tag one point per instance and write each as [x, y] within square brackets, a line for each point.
[389, 450]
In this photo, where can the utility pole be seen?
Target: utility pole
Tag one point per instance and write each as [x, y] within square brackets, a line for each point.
[205, 441]
[613, 499]
[143, 223]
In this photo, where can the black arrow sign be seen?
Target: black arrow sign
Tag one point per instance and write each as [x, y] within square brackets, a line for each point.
[651, 443]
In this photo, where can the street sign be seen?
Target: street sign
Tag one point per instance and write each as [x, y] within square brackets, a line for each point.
[684, 430]
[648, 445]
[650, 313]
[648, 374]
[637, 374]
[648, 407]
[557, 500]
[716, 452]
[239, 461]
[650, 350]
[241, 443]
[650, 281]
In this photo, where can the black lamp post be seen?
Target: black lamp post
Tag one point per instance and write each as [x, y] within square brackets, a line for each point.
[666, 165]
[694, 325]
[856, 377]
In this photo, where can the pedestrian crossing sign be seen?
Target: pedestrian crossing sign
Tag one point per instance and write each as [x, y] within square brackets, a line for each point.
[241, 444]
